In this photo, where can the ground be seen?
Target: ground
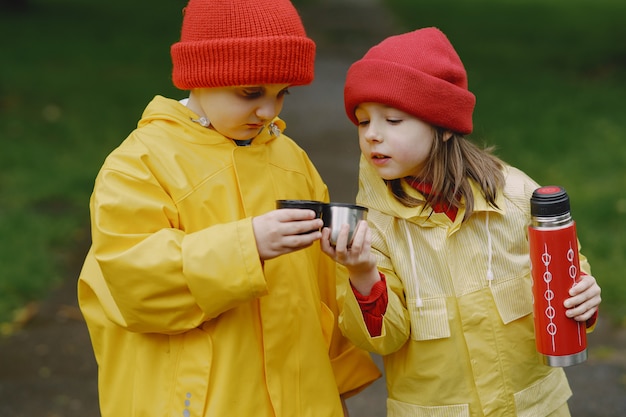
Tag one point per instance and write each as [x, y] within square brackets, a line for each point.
[47, 368]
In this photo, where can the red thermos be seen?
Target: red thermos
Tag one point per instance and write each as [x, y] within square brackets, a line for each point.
[555, 268]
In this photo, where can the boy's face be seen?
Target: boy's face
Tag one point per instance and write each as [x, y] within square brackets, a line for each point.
[241, 112]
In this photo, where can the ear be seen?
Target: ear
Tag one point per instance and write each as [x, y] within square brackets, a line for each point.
[447, 135]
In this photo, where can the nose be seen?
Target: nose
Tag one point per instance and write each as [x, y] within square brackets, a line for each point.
[268, 109]
[372, 134]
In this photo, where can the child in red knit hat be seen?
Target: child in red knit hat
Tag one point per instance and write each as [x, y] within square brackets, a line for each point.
[440, 273]
[201, 298]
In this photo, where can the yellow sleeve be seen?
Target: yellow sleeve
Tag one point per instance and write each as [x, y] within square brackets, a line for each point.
[156, 273]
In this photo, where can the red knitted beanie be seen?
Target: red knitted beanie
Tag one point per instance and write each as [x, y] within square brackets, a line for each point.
[417, 72]
[241, 42]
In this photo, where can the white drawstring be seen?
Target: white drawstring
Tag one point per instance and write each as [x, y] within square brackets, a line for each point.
[489, 251]
[418, 301]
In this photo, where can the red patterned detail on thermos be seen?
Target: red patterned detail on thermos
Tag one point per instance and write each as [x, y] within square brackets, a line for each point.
[555, 268]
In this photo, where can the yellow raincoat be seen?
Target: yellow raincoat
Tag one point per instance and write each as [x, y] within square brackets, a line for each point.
[469, 350]
[184, 318]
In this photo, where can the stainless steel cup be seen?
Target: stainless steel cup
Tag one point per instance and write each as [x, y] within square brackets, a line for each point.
[335, 215]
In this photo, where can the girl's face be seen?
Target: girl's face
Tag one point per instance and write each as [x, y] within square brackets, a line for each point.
[240, 112]
[395, 143]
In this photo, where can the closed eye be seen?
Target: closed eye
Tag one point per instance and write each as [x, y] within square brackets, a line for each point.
[252, 93]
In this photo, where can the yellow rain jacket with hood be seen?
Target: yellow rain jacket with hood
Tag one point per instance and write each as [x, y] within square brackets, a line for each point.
[184, 318]
[458, 333]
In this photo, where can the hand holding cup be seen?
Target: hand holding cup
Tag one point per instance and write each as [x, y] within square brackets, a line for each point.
[286, 230]
[336, 215]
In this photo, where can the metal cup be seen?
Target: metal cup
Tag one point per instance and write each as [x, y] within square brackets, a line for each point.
[316, 206]
[335, 215]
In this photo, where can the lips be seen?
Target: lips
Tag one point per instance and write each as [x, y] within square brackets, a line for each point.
[378, 159]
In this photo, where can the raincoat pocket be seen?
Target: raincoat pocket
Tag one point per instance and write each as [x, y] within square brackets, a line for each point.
[401, 409]
[430, 321]
[191, 376]
[543, 397]
[513, 298]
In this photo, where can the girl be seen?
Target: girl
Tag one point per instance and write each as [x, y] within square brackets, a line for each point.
[440, 279]
[201, 299]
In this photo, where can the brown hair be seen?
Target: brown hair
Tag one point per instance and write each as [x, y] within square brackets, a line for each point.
[450, 166]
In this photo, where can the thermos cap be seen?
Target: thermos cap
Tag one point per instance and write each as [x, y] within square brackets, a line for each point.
[549, 201]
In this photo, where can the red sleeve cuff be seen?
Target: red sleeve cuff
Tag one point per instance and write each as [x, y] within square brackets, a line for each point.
[373, 306]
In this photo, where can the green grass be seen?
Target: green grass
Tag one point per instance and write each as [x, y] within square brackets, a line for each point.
[550, 81]
[550, 78]
[74, 79]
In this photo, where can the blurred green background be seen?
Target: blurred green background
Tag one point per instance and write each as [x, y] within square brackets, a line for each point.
[550, 79]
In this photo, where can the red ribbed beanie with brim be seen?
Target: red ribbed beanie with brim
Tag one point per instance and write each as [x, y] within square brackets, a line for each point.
[417, 72]
[241, 42]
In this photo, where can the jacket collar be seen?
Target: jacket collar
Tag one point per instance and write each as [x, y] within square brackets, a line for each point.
[374, 193]
[177, 115]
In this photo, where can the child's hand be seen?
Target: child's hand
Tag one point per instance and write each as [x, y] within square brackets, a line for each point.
[585, 299]
[285, 230]
[357, 258]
